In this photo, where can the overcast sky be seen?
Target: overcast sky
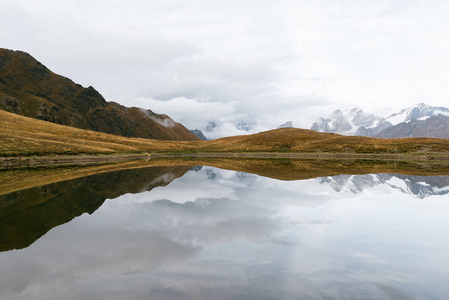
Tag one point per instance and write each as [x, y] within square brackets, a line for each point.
[265, 62]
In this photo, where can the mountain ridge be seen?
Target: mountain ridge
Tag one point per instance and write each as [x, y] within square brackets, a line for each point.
[435, 126]
[404, 123]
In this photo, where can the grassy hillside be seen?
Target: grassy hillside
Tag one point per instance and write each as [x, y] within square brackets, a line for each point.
[30, 89]
[303, 140]
[22, 136]
[26, 136]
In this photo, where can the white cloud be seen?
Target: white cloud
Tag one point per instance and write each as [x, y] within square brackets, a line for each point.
[278, 61]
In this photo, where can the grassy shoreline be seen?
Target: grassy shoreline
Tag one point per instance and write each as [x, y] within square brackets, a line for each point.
[30, 142]
[13, 179]
[83, 159]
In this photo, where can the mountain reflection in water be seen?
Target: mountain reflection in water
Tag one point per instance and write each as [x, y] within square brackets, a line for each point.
[208, 233]
[419, 186]
[28, 214]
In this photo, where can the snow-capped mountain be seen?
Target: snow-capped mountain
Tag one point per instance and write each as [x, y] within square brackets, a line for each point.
[358, 122]
[417, 186]
[351, 122]
[434, 126]
[235, 125]
[418, 111]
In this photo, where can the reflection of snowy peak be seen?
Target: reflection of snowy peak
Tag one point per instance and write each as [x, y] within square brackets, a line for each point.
[213, 174]
[351, 122]
[418, 186]
[350, 183]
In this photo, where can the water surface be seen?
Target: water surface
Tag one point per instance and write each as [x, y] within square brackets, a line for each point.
[208, 233]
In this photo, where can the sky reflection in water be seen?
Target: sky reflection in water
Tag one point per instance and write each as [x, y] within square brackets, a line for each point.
[217, 234]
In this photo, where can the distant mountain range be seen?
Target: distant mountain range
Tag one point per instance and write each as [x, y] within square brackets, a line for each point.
[417, 186]
[246, 124]
[30, 89]
[420, 120]
[435, 126]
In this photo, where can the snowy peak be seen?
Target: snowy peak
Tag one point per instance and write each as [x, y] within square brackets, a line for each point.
[351, 122]
[418, 111]
[358, 122]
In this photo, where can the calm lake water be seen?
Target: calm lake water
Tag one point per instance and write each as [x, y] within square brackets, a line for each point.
[207, 233]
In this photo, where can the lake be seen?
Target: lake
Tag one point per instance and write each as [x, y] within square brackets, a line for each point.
[183, 232]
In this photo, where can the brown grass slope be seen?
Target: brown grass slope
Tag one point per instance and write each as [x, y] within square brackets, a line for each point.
[308, 141]
[30, 89]
[22, 136]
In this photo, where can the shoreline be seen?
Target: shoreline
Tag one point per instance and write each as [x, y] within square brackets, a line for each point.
[65, 160]
[89, 159]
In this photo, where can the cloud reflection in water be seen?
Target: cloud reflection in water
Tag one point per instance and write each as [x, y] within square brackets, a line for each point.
[216, 234]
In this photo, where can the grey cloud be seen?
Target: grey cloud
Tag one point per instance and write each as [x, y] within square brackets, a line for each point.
[259, 238]
[114, 252]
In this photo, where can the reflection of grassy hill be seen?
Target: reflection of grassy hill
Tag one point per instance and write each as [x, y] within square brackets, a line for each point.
[28, 214]
[25, 136]
[32, 201]
[285, 169]
[297, 169]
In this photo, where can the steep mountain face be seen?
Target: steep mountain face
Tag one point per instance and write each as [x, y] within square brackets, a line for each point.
[30, 89]
[435, 126]
[420, 120]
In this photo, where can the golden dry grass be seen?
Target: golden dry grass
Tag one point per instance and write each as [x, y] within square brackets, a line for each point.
[308, 141]
[26, 136]
[21, 136]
